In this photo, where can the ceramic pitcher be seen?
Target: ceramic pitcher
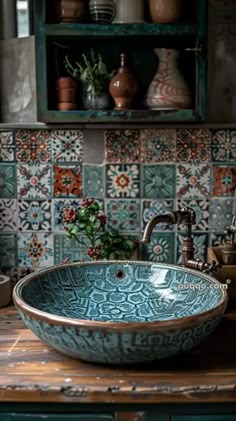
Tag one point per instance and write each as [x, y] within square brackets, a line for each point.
[129, 11]
[168, 89]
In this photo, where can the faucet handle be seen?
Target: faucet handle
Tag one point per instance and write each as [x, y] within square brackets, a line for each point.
[212, 268]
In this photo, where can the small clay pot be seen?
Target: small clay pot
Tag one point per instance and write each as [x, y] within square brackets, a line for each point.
[5, 290]
[165, 11]
[66, 106]
[66, 95]
[71, 11]
[66, 82]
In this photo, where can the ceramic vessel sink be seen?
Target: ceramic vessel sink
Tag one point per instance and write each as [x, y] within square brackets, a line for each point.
[120, 312]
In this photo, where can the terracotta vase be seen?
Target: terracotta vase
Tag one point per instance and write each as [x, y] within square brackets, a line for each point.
[66, 88]
[165, 11]
[168, 89]
[124, 86]
[129, 11]
[102, 11]
[70, 11]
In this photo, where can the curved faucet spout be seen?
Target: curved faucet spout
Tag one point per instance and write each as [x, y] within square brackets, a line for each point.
[169, 218]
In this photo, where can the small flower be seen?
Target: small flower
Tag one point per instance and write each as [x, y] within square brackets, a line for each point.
[87, 202]
[103, 219]
[69, 215]
[66, 260]
[95, 252]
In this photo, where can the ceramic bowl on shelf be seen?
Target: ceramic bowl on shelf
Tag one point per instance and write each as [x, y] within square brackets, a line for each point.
[120, 312]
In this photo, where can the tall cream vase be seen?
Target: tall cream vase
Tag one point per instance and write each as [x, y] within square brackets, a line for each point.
[129, 11]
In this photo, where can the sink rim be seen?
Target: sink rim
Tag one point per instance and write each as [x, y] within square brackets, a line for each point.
[43, 316]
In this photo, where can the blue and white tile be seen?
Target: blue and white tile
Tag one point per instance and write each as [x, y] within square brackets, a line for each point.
[35, 250]
[161, 248]
[8, 214]
[151, 208]
[201, 209]
[221, 212]
[35, 215]
[34, 181]
[67, 145]
[7, 147]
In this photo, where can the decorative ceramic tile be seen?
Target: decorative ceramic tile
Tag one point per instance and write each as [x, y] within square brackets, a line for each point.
[224, 180]
[201, 209]
[224, 146]
[8, 215]
[93, 178]
[67, 145]
[58, 207]
[216, 239]
[193, 180]
[151, 208]
[7, 181]
[200, 243]
[7, 147]
[158, 145]
[161, 248]
[33, 146]
[35, 250]
[122, 146]
[8, 251]
[122, 180]
[123, 215]
[35, 215]
[221, 214]
[193, 144]
[158, 181]
[65, 247]
[68, 181]
[34, 181]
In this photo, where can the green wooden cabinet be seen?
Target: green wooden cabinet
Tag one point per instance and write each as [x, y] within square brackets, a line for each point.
[204, 418]
[55, 417]
[55, 40]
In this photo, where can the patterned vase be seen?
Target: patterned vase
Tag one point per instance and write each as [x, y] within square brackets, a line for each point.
[124, 86]
[165, 11]
[168, 89]
[129, 11]
[102, 11]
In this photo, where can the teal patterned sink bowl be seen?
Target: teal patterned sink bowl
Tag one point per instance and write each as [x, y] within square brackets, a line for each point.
[120, 312]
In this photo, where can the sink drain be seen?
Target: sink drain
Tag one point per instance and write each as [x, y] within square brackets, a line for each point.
[120, 274]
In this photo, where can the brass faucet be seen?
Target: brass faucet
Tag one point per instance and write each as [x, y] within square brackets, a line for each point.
[185, 216]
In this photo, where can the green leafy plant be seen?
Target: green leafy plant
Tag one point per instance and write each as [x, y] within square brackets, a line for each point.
[87, 225]
[92, 71]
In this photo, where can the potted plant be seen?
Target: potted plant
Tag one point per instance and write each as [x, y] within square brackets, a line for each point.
[86, 224]
[94, 77]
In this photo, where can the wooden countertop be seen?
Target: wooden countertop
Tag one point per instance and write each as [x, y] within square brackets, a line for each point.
[31, 371]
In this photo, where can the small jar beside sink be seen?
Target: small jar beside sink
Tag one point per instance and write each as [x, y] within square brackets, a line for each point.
[5, 290]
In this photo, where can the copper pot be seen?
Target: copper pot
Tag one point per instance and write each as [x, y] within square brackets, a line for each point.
[66, 106]
[165, 11]
[69, 11]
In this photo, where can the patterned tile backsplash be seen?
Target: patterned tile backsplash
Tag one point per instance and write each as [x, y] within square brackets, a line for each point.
[145, 172]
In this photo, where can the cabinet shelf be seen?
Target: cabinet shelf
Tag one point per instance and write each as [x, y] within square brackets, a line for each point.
[112, 116]
[118, 30]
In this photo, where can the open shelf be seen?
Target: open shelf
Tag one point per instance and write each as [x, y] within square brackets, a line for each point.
[112, 116]
[117, 30]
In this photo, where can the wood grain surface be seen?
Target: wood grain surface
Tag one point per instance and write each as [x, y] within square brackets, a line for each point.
[31, 371]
